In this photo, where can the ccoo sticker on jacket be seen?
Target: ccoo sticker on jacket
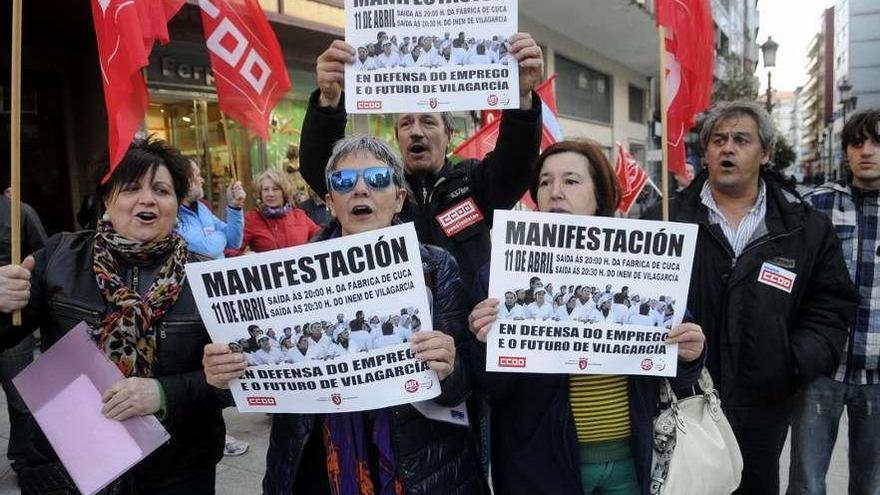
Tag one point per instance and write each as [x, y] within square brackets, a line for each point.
[459, 217]
[777, 277]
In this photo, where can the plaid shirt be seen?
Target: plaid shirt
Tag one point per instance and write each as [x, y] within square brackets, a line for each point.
[855, 214]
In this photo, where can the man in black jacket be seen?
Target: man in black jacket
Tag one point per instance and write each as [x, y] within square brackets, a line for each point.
[769, 286]
[453, 203]
[16, 358]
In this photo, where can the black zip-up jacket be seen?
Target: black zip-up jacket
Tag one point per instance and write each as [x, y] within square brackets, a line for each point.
[496, 182]
[433, 457]
[64, 293]
[763, 341]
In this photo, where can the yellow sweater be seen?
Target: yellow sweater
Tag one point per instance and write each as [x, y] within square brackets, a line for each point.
[600, 406]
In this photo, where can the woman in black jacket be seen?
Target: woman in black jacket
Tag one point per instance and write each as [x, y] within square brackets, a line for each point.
[367, 191]
[540, 444]
[126, 281]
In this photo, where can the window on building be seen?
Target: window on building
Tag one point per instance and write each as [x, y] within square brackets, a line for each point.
[723, 44]
[639, 153]
[582, 92]
[636, 105]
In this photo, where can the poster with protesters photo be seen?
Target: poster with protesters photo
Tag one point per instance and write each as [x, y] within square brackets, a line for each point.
[587, 295]
[324, 326]
[430, 56]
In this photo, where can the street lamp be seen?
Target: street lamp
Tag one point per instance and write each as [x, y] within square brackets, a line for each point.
[845, 89]
[768, 49]
[846, 99]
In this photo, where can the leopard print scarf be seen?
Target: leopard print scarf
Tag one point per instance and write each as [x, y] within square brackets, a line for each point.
[127, 335]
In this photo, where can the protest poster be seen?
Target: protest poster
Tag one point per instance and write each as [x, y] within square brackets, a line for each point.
[430, 56]
[587, 295]
[323, 325]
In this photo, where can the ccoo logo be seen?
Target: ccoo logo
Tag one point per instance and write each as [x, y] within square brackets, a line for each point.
[647, 364]
[582, 363]
[336, 398]
[492, 100]
[412, 386]
[261, 401]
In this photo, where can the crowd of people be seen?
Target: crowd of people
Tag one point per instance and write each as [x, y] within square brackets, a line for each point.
[586, 304]
[430, 51]
[327, 340]
[780, 354]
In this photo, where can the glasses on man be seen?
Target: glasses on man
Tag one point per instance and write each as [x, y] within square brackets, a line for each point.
[376, 178]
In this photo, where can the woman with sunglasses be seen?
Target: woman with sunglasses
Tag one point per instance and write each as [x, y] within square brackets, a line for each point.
[574, 434]
[276, 223]
[391, 451]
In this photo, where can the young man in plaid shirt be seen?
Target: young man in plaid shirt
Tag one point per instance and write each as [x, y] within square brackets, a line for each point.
[854, 208]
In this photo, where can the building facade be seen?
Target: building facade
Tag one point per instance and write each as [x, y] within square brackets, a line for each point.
[816, 103]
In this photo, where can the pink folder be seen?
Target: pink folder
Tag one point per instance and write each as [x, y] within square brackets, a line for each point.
[63, 389]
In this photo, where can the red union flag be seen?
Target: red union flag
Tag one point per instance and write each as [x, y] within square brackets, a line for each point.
[481, 143]
[126, 31]
[631, 177]
[248, 66]
[690, 60]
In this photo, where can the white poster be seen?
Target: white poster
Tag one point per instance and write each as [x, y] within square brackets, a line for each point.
[430, 56]
[587, 295]
[323, 326]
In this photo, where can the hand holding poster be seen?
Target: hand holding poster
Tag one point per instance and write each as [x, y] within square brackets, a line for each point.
[587, 295]
[426, 56]
[343, 310]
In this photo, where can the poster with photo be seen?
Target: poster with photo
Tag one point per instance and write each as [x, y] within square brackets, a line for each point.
[587, 295]
[430, 56]
[324, 326]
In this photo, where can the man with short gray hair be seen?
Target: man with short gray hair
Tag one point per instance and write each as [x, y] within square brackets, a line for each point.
[441, 189]
[769, 285]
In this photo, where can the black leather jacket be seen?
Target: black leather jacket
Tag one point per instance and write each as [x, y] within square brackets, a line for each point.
[433, 457]
[64, 292]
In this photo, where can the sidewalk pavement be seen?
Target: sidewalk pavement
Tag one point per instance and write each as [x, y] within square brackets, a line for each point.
[243, 475]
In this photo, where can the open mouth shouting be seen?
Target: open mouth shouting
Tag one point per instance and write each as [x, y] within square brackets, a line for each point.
[417, 150]
[360, 211]
[727, 164]
[147, 217]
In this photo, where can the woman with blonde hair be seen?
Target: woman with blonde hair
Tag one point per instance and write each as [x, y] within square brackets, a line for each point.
[276, 223]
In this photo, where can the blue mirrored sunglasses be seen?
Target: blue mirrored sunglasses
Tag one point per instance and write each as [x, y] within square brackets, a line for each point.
[344, 180]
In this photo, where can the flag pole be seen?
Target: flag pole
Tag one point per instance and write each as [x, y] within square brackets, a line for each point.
[229, 152]
[15, 144]
[664, 146]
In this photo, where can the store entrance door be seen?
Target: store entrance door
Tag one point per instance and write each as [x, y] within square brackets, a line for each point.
[196, 128]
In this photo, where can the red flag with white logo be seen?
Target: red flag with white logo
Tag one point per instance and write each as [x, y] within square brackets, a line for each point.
[126, 31]
[690, 60]
[483, 141]
[248, 65]
[631, 178]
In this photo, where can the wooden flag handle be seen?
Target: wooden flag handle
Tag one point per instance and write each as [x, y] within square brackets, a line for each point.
[664, 146]
[229, 150]
[15, 144]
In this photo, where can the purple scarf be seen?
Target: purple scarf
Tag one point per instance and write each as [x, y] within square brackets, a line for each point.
[270, 212]
[348, 453]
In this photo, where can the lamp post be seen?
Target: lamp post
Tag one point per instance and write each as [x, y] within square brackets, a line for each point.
[845, 89]
[768, 50]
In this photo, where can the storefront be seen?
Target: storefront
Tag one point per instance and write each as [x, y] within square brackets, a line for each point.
[184, 111]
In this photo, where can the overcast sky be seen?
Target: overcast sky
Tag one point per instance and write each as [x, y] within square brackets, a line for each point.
[792, 24]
